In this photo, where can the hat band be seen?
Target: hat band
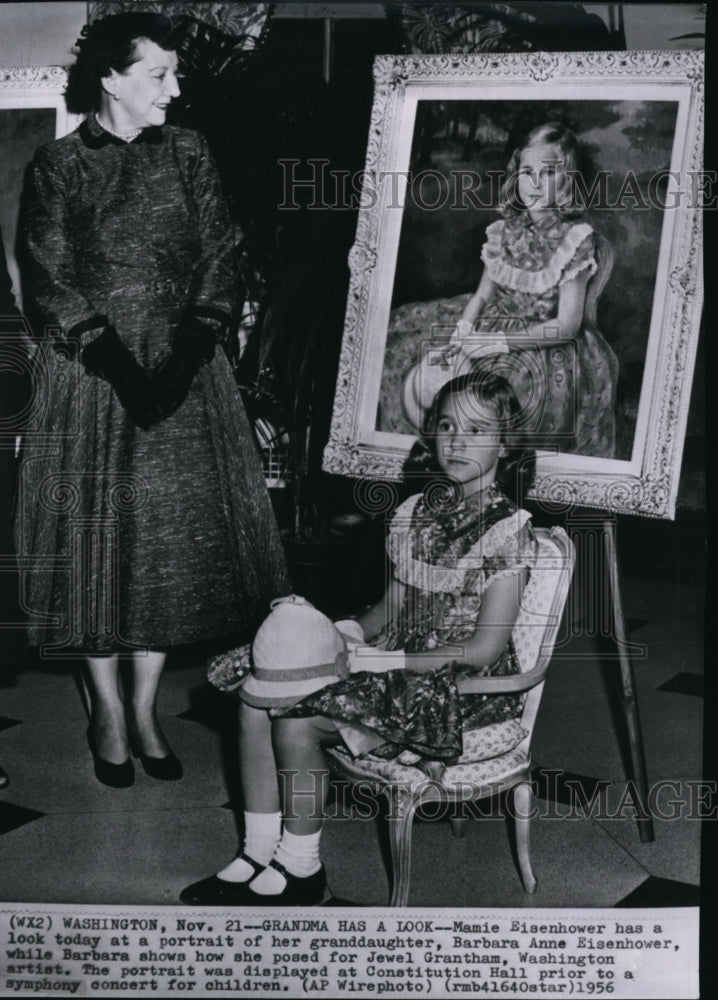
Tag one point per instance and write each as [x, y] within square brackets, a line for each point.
[295, 673]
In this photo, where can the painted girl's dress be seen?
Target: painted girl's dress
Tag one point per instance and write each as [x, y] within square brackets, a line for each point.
[568, 391]
[446, 560]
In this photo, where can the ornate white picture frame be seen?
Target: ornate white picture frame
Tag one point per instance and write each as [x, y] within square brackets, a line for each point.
[621, 104]
[32, 111]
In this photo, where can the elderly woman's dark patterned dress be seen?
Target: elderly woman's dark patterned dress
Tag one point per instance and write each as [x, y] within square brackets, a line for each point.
[137, 537]
[446, 560]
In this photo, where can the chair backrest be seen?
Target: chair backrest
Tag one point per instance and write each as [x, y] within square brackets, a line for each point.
[544, 597]
[594, 290]
[542, 605]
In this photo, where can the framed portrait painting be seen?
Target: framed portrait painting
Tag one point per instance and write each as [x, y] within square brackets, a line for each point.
[32, 112]
[540, 214]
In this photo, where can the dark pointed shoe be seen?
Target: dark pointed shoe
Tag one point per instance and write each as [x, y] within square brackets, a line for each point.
[298, 891]
[166, 768]
[215, 891]
[113, 775]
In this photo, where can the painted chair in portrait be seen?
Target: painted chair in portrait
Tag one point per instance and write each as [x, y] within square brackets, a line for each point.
[495, 759]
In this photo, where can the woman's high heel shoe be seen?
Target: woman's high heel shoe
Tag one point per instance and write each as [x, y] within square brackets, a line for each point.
[167, 768]
[113, 775]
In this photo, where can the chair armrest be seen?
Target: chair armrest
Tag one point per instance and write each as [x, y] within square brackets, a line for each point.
[506, 684]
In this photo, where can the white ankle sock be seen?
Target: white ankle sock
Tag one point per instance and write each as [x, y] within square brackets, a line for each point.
[261, 836]
[298, 854]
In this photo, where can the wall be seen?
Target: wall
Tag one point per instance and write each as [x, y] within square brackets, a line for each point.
[39, 34]
[647, 25]
[42, 34]
[659, 25]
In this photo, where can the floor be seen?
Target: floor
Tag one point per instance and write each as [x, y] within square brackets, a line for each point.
[66, 838]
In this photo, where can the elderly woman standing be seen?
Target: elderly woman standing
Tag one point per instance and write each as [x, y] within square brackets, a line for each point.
[143, 503]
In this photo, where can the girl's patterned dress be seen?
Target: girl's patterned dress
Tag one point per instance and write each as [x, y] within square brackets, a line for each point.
[446, 558]
[568, 391]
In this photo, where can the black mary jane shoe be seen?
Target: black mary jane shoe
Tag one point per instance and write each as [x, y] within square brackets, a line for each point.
[298, 891]
[215, 891]
[113, 775]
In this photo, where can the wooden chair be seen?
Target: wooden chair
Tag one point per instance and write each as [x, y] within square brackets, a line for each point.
[475, 775]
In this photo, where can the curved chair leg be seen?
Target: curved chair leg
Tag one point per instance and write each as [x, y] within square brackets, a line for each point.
[522, 810]
[401, 817]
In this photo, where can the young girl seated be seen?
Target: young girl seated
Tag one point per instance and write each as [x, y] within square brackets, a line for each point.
[461, 553]
[537, 300]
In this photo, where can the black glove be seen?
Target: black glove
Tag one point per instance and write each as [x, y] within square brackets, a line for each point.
[108, 358]
[193, 346]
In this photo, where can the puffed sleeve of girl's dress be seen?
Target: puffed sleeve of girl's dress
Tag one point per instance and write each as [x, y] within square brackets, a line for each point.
[509, 546]
[491, 250]
[213, 277]
[48, 239]
[578, 253]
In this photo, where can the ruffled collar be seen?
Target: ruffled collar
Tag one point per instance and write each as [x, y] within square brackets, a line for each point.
[520, 257]
[552, 229]
[433, 552]
[94, 136]
[456, 517]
